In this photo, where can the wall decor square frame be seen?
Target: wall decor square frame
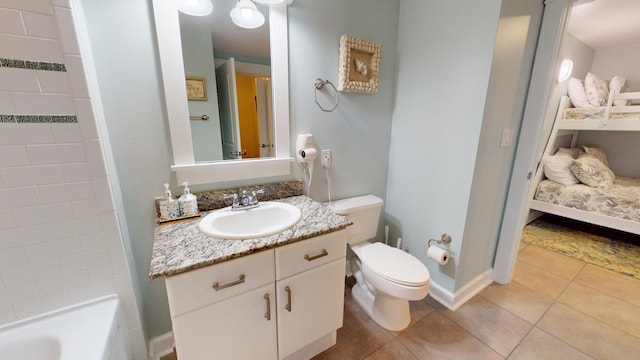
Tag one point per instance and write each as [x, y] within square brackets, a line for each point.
[359, 65]
[196, 89]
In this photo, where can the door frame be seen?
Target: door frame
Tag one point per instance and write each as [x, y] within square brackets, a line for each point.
[545, 65]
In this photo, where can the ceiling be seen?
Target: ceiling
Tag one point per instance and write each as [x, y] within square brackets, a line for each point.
[604, 24]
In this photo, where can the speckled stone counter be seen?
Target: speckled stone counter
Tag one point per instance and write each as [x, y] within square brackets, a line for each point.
[180, 246]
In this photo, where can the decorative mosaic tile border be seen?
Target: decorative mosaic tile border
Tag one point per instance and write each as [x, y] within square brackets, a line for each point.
[38, 119]
[32, 65]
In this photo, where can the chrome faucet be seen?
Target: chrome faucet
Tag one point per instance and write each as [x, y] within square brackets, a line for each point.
[248, 200]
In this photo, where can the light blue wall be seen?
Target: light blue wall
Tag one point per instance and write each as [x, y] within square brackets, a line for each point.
[445, 50]
[198, 62]
[129, 77]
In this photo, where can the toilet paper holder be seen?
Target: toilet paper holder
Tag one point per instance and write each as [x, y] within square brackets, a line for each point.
[446, 239]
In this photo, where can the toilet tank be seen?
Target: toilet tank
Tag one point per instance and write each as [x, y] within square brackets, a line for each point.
[364, 212]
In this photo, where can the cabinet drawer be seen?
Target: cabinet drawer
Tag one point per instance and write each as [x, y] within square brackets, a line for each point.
[307, 254]
[194, 289]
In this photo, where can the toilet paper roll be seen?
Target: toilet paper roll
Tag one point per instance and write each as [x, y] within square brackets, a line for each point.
[438, 254]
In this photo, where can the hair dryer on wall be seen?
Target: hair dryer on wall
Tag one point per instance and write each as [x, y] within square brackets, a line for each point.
[306, 154]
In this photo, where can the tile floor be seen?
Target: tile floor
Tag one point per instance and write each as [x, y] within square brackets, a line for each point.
[555, 307]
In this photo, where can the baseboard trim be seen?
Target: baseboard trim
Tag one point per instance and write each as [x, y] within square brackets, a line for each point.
[452, 301]
[161, 346]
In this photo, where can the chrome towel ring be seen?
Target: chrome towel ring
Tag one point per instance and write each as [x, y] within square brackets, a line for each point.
[319, 85]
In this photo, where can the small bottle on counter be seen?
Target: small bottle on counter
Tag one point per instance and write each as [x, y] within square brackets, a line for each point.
[169, 207]
[188, 202]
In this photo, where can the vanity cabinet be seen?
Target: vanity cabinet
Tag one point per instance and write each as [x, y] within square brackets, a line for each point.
[282, 303]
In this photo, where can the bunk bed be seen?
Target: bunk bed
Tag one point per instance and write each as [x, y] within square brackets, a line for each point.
[612, 201]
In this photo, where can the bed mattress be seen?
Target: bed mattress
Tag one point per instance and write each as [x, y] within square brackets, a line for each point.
[622, 200]
[596, 113]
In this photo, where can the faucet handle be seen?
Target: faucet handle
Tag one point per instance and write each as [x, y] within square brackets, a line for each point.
[256, 192]
[231, 196]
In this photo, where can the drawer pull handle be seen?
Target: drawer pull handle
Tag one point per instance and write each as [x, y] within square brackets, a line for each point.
[311, 258]
[216, 286]
[267, 315]
[288, 305]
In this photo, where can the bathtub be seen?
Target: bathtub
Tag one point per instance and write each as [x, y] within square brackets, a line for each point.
[93, 330]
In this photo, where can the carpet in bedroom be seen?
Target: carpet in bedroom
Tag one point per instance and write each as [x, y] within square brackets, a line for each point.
[612, 250]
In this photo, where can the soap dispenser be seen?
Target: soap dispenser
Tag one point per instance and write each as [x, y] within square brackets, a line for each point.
[169, 207]
[188, 202]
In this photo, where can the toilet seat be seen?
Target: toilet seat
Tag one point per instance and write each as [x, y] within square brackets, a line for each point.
[393, 264]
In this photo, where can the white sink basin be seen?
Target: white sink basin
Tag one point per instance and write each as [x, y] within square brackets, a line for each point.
[267, 219]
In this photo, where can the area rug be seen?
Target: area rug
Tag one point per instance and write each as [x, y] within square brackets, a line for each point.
[603, 251]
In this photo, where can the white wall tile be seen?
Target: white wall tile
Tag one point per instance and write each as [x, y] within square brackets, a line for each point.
[93, 149]
[67, 30]
[19, 197]
[125, 287]
[20, 134]
[76, 172]
[103, 194]
[35, 49]
[63, 282]
[66, 192]
[31, 272]
[41, 305]
[131, 314]
[93, 242]
[66, 133]
[19, 293]
[11, 22]
[7, 315]
[43, 214]
[31, 175]
[76, 227]
[6, 220]
[6, 104]
[53, 249]
[85, 260]
[86, 118]
[24, 236]
[92, 291]
[56, 153]
[40, 6]
[82, 208]
[14, 155]
[54, 81]
[12, 257]
[118, 258]
[79, 86]
[40, 25]
[43, 104]
[101, 273]
[63, 3]
[21, 80]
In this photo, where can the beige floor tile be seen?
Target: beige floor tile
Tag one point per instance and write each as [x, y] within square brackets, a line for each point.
[614, 284]
[359, 336]
[491, 324]
[552, 262]
[593, 337]
[519, 299]
[538, 279]
[393, 350]
[540, 345]
[611, 310]
[437, 337]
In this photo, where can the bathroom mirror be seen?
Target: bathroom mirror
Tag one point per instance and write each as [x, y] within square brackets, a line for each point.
[185, 165]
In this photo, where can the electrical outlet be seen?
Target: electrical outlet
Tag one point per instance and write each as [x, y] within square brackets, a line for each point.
[326, 158]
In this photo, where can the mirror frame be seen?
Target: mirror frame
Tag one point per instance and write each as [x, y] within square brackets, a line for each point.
[173, 78]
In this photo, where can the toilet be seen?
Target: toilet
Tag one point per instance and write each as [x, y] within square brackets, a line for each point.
[387, 277]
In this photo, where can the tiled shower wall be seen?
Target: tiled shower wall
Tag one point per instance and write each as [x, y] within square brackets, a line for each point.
[60, 240]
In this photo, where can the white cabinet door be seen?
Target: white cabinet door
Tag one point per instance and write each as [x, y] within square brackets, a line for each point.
[310, 305]
[236, 328]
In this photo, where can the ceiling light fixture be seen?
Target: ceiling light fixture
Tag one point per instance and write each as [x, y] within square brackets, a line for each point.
[195, 7]
[246, 15]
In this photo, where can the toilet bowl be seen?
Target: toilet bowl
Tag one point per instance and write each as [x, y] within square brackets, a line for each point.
[386, 278]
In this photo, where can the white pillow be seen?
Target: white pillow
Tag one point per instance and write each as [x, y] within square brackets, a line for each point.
[596, 89]
[617, 85]
[574, 152]
[556, 168]
[577, 94]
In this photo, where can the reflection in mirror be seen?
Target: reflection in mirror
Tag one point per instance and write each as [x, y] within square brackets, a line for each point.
[173, 77]
[235, 65]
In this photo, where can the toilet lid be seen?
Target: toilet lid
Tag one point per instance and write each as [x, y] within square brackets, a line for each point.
[394, 264]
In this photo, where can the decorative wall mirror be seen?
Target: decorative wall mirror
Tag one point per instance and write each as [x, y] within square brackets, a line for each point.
[186, 135]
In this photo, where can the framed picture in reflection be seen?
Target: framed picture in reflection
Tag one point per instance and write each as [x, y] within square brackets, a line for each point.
[196, 89]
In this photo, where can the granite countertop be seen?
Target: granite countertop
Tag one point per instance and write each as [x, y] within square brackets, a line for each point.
[180, 246]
